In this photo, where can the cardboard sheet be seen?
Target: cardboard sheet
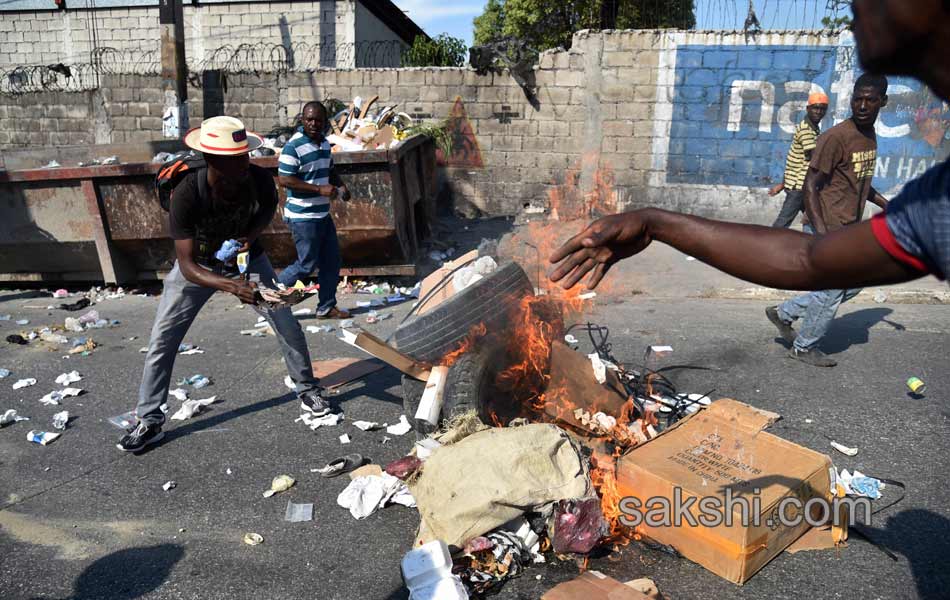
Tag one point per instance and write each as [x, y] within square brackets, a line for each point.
[338, 371]
[593, 585]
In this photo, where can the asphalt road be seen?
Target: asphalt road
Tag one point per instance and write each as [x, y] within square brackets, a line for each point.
[78, 519]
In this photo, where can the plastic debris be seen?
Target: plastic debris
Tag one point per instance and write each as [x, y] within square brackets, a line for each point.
[90, 317]
[844, 449]
[11, 416]
[180, 394]
[365, 495]
[401, 428]
[300, 312]
[73, 324]
[4, 373]
[320, 328]
[427, 572]
[570, 339]
[315, 422]
[506, 556]
[344, 439]
[23, 322]
[24, 383]
[67, 378]
[859, 484]
[366, 425]
[228, 251]
[143, 349]
[197, 381]
[42, 438]
[16, 338]
[600, 369]
[60, 293]
[191, 351]
[83, 346]
[297, 513]
[54, 338]
[578, 526]
[191, 408]
[281, 483]
[6, 317]
[346, 323]
[253, 539]
[169, 485]
[252, 332]
[124, 421]
[56, 396]
[60, 420]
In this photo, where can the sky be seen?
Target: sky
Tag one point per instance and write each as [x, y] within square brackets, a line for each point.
[455, 16]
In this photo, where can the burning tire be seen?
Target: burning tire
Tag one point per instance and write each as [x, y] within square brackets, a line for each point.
[490, 301]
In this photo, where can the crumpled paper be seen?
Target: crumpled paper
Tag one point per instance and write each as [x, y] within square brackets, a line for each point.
[53, 398]
[11, 416]
[365, 495]
[401, 428]
[314, 422]
[67, 378]
[191, 408]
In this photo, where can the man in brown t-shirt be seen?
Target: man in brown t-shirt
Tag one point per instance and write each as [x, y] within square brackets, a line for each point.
[837, 188]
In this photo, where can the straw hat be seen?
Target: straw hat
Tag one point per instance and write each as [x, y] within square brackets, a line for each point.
[222, 135]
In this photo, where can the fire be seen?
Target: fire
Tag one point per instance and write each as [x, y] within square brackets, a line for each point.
[603, 477]
[476, 333]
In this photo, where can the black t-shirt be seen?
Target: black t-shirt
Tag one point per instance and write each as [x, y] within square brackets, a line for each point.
[194, 214]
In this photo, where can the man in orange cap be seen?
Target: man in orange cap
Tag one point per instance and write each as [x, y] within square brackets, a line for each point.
[229, 200]
[796, 162]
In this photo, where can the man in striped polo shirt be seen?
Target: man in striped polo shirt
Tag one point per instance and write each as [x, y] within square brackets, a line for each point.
[796, 163]
[306, 171]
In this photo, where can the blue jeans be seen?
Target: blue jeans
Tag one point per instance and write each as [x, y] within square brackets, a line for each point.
[317, 250]
[817, 308]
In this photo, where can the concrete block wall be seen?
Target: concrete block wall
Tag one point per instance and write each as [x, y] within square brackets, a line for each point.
[691, 121]
[49, 37]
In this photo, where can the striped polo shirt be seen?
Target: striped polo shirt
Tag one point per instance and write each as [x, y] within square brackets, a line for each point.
[303, 158]
[796, 167]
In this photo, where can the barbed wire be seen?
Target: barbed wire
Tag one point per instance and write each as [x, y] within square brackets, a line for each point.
[261, 57]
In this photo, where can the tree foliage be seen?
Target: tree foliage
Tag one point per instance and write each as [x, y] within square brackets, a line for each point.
[440, 51]
[836, 21]
[551, 23]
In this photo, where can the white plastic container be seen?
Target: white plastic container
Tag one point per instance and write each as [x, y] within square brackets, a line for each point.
[427, 572]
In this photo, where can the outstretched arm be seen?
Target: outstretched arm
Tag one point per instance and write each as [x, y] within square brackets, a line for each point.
[847, 258]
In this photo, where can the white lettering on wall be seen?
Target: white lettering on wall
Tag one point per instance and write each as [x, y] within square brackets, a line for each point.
[741, 88]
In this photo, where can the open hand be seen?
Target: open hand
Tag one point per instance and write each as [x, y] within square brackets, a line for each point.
[776, 189]
[597, 248]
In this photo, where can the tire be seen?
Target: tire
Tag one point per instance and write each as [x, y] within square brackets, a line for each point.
[492, 300]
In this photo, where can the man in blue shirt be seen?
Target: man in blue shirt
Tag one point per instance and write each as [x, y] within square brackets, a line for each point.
[306, 170]
[910, 240]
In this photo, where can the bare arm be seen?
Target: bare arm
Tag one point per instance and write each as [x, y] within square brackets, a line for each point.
[847, 258]
[184, 250]
[778, 187]
[877, 198]
[814, 181]
[299, 185]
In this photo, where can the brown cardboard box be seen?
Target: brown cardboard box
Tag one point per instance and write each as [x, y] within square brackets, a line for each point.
[593, 585]
[725, 447]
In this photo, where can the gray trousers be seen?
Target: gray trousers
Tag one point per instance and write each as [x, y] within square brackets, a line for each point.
[794, 204]
[180, 303]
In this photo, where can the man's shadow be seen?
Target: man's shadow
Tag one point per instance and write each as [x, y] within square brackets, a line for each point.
[851, 329]
[923, 538]
[126, 574]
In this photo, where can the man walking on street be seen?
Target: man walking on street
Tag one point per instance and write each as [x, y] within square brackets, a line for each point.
[796, 162]
[306, 171]
[837, 187]
[230, 199]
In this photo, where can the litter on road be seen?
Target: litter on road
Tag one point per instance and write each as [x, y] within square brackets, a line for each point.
[281, 483]
[67, 378]
[298, 513]
[42, 438]
[22, 383]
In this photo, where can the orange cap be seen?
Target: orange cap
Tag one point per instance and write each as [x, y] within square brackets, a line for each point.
[817, 98]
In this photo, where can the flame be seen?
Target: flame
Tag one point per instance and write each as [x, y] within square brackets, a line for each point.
[603, 477]
[476, 333]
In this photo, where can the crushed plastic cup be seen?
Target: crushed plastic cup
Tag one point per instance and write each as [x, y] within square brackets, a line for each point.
[42, 438]
[90, 317]
[253, 539]
[11, 416]
[23, 322]
[169, 485]
[54, 338]
[73, 324]
[4, 373]
[60, 420]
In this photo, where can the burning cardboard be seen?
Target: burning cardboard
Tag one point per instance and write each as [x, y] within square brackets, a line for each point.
[724, 449]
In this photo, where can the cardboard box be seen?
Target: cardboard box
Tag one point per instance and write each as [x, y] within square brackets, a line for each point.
[725, 448]
[593, 585]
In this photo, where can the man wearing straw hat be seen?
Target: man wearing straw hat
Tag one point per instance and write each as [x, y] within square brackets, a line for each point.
[230, 199]
[796, 161]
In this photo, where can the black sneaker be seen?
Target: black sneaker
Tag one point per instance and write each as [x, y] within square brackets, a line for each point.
[784, 329]
[143, 435]
[314, 403]
[813, 357]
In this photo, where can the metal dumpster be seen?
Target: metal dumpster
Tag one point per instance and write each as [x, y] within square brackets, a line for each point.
[104, 223]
